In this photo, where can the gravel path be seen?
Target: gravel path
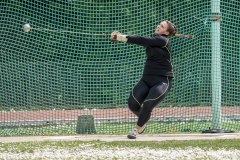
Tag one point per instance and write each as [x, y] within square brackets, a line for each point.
[89, 153]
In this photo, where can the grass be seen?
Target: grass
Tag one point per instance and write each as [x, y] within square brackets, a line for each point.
[115, 128]
[30, 147]
[122, 150]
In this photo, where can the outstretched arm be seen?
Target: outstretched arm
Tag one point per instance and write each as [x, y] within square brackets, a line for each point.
[157, 41]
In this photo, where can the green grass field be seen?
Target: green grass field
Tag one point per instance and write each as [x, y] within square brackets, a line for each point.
[203, 144]
[115, 128]
[99, 150]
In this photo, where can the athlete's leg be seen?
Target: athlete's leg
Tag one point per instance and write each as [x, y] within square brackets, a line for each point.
[137, 96]
[155, 96]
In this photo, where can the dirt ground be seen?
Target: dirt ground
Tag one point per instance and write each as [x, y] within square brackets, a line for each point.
[152, 137]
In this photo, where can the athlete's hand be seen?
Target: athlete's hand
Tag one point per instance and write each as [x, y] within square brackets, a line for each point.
[114, 36]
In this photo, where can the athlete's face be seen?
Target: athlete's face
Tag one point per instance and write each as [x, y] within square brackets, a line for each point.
[162, 28]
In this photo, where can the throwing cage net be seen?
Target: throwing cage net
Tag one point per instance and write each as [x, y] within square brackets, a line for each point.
[65, 76]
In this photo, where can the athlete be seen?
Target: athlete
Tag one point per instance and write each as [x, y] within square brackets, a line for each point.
[157, 76]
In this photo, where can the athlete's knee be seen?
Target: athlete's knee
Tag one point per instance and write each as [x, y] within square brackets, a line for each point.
[148, 106]
[133, 105]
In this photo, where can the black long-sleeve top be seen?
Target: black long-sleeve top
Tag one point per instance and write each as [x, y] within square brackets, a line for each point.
[158, 54]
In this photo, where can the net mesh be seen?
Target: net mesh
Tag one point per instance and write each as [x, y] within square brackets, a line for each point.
[50, 79]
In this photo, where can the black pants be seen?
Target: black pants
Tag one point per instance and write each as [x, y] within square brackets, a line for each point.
[147, 93]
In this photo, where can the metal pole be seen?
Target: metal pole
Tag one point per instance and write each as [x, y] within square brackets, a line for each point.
[216, 64]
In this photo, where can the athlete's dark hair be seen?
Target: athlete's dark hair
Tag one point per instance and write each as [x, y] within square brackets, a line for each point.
[172, 29]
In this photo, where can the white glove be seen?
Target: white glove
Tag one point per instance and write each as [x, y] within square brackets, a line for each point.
[118, 37]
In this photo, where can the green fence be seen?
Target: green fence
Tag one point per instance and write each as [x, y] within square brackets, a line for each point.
[49, 79]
